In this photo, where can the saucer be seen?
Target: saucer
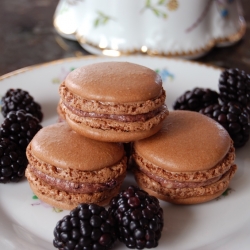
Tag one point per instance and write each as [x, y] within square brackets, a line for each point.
[27, 223]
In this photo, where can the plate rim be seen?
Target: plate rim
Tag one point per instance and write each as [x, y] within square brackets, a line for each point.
[89, 57]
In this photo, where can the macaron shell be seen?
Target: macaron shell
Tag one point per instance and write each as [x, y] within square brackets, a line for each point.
[117, 125]
[195, 176]
[185, 195]
[188, 141]
[74, 102]
[112, 135]
[61, 116]
[62, 147]
[68, 201]
[114, 82]
[104, 175]
[186, 201]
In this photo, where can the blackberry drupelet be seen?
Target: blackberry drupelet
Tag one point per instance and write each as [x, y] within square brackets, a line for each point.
[87, 227]
[234, 85]
[233, 118]
[196, 99]
[13, 161]
[20, 127]
[139, 218]
[16, 99]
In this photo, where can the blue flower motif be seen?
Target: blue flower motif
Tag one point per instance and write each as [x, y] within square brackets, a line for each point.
[165, 74]
[224, 12]
[223, 7]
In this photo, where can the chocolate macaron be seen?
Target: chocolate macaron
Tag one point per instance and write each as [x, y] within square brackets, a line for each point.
[190, 160]
[114, 101]
[66, 169]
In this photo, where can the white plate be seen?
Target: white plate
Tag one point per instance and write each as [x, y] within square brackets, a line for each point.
[224, 223]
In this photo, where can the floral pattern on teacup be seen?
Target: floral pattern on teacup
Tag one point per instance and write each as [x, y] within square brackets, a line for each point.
[157, 9]
[222, 6]
[102, 19]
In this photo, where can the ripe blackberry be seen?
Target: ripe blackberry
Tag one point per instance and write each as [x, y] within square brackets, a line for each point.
[233, 118]
[139, 218]
[234, 85]
[12, 161]
[16, 99]
[196, 99]
[88, 226]
[20, 127]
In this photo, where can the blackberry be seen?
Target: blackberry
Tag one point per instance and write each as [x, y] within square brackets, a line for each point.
[16, 99]
[20, 127]
[139, 218]
[88, 226]
[196, 99]
[233, 118]
[12, 161]
[234, 86]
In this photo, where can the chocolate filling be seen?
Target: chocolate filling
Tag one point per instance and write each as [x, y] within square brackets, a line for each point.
[221, 167]
[73, 187]
[180, 184]
[123, 118]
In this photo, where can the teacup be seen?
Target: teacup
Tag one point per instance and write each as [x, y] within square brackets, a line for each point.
[179, 28]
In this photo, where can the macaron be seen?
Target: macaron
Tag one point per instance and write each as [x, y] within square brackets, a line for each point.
[66, 169]
[114, 101]
[190, 160]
